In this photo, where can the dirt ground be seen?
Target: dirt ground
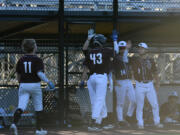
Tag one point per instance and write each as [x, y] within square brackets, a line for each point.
[116, 131]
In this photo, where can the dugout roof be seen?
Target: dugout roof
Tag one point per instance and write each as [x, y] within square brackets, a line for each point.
[139, 20]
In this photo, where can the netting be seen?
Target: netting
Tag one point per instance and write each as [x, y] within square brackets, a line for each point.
[93, 5]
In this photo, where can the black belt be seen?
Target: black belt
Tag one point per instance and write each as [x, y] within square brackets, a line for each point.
[100, 73]
[145, 81]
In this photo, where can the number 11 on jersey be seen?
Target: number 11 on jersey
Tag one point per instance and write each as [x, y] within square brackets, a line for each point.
[27, 69]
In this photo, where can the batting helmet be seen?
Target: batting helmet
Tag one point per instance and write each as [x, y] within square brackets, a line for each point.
[99, 40]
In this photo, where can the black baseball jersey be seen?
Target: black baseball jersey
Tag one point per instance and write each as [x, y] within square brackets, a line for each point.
[121, 69]
[143, 69]
[27, 67]
[98, 60]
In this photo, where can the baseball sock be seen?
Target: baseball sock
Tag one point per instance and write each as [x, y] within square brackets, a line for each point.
[17, 115]
[39, 120]
[99, 120]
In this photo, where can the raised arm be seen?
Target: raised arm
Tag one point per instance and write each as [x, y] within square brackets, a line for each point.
[114, 37]
[91, 34]
[126, 51]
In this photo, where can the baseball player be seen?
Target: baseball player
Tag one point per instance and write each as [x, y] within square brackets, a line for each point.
[30, 72]
[145, 74]
[170, 111]
[123, 85]
[97, 60]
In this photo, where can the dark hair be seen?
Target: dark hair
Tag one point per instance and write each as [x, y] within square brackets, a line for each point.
[28, 45]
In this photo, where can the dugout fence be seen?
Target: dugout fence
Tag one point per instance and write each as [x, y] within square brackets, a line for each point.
[75, 102]
[77, 108]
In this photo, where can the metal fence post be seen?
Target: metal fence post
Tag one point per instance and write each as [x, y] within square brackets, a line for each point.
[114, 19]
[115, 13]
[61, 61]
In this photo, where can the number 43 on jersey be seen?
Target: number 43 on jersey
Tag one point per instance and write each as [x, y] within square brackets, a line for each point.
[96, 58]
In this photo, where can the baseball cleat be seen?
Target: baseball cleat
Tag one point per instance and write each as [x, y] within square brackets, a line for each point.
[96, 129]
[41, 132]
[109, 126]
[140, 127]
[159, 125]
[13, 129]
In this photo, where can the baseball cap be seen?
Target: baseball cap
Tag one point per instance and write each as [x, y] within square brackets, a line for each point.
[173, 94]
[122, 44]
[144, 45]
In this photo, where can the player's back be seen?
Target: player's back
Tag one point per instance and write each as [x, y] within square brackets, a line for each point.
[27, 67]
[98, 60]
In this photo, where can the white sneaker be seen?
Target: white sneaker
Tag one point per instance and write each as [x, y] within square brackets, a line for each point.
[97, 129]
[41, 132]
[13, 129]
[140, 127]
[159, 125]
[109, 126]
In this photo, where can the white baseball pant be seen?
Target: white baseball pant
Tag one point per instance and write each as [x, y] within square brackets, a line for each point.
[123, 88]
[97, 86]
[33, 90]
[148, 90]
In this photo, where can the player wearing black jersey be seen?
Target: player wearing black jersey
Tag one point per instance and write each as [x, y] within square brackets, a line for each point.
[123, 86]
[145, 75]
[97, 61]
[30, 72]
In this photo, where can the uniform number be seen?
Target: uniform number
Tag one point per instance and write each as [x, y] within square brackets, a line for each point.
[27, 67]
[96, 58]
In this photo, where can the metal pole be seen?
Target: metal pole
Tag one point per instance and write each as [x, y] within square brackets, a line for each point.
[115, 13]
[61, 61]
[67, 86]
[114, 19]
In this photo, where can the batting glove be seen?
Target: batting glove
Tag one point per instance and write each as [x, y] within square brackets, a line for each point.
[81, 85]
[91, 34]
[114, 35]
[51, 86]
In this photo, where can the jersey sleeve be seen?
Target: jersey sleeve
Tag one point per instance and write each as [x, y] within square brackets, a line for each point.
[154, 67]
[39, 66]
[18, 70]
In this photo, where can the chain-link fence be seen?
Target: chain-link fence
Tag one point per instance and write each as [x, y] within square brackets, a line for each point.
[78, 99]
[93, 5]
[77, 102]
